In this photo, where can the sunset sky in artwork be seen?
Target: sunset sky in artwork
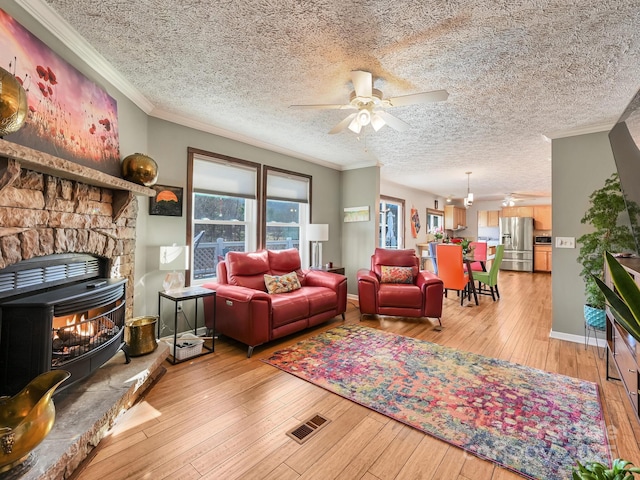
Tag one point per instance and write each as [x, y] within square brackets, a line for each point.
[70, 115]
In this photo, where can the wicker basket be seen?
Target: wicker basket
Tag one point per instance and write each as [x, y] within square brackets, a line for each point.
[188, 345]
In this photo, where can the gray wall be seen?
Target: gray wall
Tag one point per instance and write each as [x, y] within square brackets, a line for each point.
[581, 164]
[168, 143]
[360, 187]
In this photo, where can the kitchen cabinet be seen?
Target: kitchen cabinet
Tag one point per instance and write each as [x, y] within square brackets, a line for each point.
[542, 258]
[454, 217]
[542, 217]
[517, 211]
[488, 218]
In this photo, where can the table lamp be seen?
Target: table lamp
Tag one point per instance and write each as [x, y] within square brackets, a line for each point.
[316, 233]
[176, 259]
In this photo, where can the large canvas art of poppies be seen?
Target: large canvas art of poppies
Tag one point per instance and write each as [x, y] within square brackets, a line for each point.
[69, 116]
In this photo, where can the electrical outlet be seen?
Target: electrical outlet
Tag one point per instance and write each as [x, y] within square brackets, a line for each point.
[565, 242]
[179, 306]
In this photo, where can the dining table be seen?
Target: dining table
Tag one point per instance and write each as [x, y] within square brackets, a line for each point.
[468, 259]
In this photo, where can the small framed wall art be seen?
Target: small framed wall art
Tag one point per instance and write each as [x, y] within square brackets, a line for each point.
[168, 201]
[356, 214]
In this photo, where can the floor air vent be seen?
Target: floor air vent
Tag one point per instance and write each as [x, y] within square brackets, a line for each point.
[303, 432]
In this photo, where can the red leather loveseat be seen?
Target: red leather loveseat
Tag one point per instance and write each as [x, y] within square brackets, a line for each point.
[246, 312]
[396, 286]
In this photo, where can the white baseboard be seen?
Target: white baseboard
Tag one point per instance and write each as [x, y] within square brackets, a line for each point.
[601, 341]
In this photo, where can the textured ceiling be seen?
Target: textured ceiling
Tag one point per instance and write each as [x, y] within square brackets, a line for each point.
[516, 71]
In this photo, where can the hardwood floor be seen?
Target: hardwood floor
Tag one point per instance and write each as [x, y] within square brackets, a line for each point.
[224, 416]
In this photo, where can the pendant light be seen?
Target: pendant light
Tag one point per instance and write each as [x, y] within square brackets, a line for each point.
[468, 201]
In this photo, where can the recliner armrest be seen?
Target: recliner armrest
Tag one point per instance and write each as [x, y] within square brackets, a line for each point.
[368, 286]
[367, 275]
[427, 278]
[318, 278]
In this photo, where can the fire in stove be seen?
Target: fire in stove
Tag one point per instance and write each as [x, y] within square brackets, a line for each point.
[79, 333]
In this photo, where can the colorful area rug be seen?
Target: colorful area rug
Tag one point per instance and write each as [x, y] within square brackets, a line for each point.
[532, 422]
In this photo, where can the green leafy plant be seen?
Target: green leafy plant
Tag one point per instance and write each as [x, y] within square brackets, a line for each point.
[607, 205]
[625, 303]
[466, 246]
[620, 470]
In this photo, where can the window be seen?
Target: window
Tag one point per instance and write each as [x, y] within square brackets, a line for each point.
[391, 234]
[435, 221]
[222, 208]
[286, 210]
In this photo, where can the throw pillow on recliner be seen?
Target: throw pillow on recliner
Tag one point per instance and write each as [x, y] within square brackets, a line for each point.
[393, 274]
[281, 283]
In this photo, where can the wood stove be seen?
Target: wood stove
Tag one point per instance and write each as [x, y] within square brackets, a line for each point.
[58, 312]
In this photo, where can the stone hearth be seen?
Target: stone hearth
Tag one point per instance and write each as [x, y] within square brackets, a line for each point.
[85, 412]
[49, 205]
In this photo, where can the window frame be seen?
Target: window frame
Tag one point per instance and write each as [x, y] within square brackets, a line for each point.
[224, 159]
[401, 218]
[303, 245]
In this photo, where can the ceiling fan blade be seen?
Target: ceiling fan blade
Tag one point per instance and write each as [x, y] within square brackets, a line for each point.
[424, 97]
[343, 124]
[327, 106]
[392, 121]
[362, 83]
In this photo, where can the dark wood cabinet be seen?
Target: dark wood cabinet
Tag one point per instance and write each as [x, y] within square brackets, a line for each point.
[623, 351]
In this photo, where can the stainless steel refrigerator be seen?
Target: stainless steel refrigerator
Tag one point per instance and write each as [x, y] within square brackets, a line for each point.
[516, 234]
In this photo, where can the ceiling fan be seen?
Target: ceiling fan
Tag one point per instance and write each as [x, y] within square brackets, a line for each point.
[369, 103]
[511, 198]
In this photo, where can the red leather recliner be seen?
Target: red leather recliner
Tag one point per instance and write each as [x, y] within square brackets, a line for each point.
[420, 298]
[247, 313]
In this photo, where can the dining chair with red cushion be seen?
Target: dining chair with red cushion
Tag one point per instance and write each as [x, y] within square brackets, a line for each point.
[395, 285]
[479, 251]
[451, 270]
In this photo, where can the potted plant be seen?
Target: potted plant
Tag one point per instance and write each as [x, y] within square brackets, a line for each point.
[608, 235]
[620, 470]
[624, 303]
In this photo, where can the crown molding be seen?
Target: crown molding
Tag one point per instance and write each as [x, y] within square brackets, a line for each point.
[208, 128]
[58, 26]
[597, 128]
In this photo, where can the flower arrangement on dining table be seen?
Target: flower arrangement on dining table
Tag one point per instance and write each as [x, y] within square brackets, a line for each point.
[435, 234]
[466, 247]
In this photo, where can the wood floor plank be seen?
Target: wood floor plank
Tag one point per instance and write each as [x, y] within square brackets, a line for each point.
[416, 467]
[224, 415]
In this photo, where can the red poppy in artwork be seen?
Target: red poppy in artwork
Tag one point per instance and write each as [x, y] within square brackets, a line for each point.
[106, 123]
[32, 109]
[52, 77]
[42, 72]
[50, 90]
[19, 80]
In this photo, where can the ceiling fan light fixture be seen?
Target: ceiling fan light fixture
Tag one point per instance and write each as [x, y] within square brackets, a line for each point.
[364, 117]
[355, 126]
[377, 122]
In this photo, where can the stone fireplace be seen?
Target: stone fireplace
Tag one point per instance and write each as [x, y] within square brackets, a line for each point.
[49, 206]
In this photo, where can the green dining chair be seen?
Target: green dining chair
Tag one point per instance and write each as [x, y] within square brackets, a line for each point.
[490, 278]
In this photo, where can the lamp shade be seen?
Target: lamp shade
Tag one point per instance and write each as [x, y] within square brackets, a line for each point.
[317, 232]
[174, 258]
